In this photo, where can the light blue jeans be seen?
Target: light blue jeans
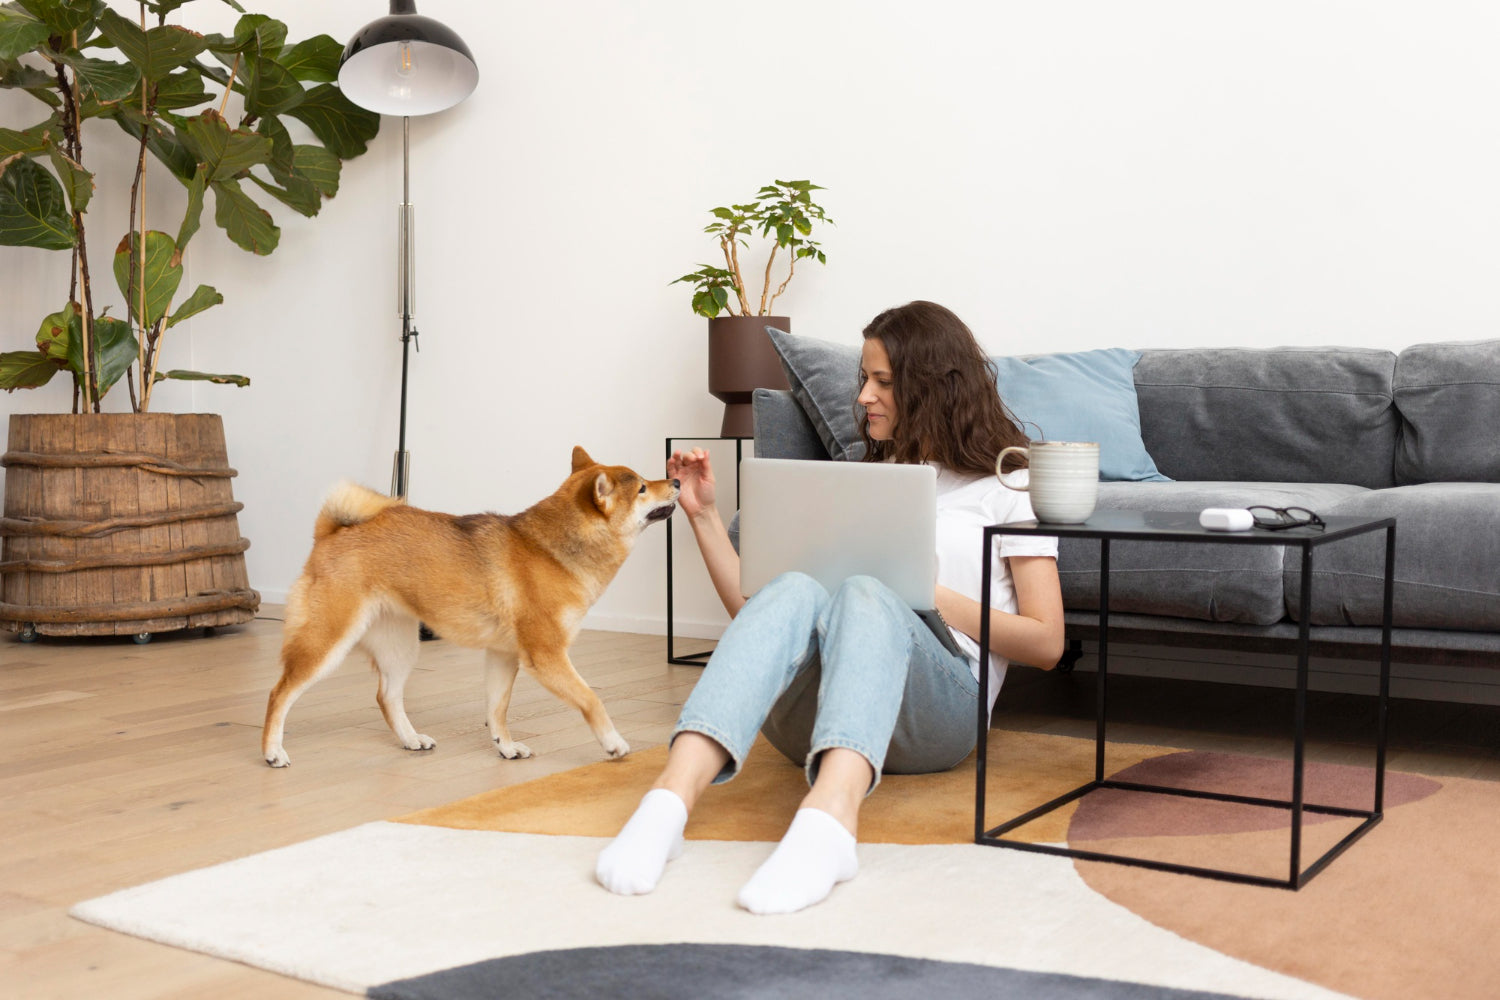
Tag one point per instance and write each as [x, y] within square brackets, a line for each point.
[857, 669]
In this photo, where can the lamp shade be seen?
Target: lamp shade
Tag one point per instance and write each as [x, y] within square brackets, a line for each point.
[407, 64]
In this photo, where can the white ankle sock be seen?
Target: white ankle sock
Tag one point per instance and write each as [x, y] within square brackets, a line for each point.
[816, 854]
[632, 863]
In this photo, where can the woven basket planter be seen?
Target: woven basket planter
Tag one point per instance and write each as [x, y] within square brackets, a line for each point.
[120, 524]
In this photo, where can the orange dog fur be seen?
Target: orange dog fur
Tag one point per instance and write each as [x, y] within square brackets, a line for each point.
[515, 586]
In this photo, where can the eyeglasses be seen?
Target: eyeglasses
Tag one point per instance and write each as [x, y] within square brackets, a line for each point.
[1281, 518]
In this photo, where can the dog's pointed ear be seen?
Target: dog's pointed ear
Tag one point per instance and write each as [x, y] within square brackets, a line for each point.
[581, 459]
[603, 487]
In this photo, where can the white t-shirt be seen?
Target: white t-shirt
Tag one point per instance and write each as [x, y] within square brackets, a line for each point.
[966, 504]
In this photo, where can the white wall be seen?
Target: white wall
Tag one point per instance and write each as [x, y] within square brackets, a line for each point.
[1162, 173]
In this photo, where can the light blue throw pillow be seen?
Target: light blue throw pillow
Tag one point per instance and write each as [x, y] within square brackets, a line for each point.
[1088, 396]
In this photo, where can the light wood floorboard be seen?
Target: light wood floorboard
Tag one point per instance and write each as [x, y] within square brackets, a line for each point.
[127, 763]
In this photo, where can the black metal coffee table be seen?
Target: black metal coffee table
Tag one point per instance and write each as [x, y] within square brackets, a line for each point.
[1182, 526]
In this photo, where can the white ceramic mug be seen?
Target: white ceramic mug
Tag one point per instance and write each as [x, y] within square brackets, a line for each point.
[1064, 479]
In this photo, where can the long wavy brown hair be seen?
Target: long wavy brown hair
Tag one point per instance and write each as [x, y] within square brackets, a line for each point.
[948, 409]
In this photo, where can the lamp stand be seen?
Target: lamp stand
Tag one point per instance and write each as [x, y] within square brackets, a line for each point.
[406, 267]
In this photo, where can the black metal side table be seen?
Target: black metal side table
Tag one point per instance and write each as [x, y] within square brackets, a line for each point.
[1182, 526]
[695, 659]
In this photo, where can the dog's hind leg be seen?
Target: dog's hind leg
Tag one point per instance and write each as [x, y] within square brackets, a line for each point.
[500, 669]
[556, 673]
[393, 643]
[312, 648]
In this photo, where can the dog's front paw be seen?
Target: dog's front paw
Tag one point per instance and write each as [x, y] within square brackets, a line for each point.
[614, 745]
[277, 757]
[420, 742]
[511, 750]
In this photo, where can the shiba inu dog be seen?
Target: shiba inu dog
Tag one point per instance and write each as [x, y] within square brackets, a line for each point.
[516, 586]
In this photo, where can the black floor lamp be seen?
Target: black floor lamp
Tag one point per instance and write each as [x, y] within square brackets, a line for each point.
[406, 64]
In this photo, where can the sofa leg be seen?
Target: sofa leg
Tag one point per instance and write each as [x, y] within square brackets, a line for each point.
[1071, 657]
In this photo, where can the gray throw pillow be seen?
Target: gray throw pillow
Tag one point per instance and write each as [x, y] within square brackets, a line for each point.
[824, 379]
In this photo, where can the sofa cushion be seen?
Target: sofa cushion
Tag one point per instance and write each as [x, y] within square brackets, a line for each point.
[782, 429]
[1221, 583]
[1443, 393]
[1447, 554]
[1302, 415]
[1087, 396]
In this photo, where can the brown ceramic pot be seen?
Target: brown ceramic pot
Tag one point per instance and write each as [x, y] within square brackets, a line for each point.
[741, 360]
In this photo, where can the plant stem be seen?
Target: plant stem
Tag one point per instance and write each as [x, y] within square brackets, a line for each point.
[73, 139]
[731, 250]
[138, 273]
[229, 84]
[766, 284]
[790, 270]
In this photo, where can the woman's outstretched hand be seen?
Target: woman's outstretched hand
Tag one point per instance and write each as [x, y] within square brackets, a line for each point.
[694, 471]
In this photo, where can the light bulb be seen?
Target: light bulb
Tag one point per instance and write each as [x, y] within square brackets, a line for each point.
[406, 59]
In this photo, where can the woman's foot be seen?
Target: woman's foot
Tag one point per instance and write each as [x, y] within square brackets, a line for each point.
[816, 854]
[633, 862]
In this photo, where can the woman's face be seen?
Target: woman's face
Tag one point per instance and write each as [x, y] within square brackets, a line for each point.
[876, 391]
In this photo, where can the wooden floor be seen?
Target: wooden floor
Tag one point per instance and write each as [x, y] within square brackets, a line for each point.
[127, 763]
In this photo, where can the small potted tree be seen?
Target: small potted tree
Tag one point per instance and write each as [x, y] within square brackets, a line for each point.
[124, 523]
[740, 356]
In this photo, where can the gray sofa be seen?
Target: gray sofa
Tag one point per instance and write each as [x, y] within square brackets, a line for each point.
[1349, 431]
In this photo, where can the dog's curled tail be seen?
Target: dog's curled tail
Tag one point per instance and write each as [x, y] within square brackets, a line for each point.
[349, 503]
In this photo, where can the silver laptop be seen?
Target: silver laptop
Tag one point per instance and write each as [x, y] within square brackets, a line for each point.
[834, 520]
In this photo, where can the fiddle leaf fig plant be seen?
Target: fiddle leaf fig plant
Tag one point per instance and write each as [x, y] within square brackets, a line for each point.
[168, 88]
[782, 211]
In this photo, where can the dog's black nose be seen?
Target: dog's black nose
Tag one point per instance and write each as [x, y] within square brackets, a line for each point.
[676, 484]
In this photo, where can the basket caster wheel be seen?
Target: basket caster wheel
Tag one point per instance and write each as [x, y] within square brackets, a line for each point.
[28, 633]
[141, 638]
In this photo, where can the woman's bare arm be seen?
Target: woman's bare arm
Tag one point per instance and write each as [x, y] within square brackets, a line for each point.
[1034, 636]
[695, 473]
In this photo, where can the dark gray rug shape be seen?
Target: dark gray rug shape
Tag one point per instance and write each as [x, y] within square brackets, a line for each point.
[743, 972]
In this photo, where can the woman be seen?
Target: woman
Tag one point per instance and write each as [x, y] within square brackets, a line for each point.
[853, 683]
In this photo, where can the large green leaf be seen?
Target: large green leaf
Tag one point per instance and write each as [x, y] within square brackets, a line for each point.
[105, 80]
[163, 273]
[193, 217]
[33, 208]
[283, 159]
[25, 370]
[314, 59]
[54, 338]
[19, 32]
[254, 34]
[116, 348]
[63, 17]
[163, 144]
[272, 88]
[155, 52]
[18, 76]
[187, 376]
[298, 194]
[320, 167]
[224, 151]
[203, 298]
[339, 124]
[77, 183]
[248, 225]
[32, 140]
[182, 89]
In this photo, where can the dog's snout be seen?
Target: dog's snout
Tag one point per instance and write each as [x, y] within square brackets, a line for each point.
[676, 484]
